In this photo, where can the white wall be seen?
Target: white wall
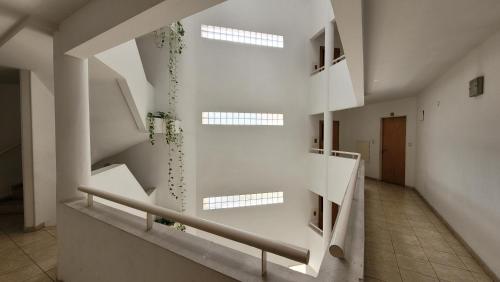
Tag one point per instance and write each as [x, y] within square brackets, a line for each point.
[38, 151]
[44, 154]
[459, 150]
[243, 78]
[118, 179]
[363, 124]
[10, 127]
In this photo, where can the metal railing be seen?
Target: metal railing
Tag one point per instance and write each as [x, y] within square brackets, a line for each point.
[337, 244]
[265, 245]
[339, 59]
[317, 151]
[344, 154]
[320, 69]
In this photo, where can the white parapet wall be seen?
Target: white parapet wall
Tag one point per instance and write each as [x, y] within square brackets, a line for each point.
[341, 90]
[340, 170]
[317, 173]
[119, 180]
[318, 89]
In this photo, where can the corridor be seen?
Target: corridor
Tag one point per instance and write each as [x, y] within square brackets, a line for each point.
[406, 241]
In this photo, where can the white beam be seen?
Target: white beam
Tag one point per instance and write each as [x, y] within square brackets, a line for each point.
[102, 24]
[349, 19]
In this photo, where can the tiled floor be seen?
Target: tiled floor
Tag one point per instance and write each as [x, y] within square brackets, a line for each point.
[26, 256]
[405, 241]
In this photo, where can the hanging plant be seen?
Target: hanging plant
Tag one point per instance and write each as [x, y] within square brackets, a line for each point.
[172, 37]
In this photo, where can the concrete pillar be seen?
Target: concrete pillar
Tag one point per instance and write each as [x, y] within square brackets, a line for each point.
[71, 95]
[328, 134]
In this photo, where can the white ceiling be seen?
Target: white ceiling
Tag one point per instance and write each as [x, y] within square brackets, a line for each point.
[53, 11]
[409, 43]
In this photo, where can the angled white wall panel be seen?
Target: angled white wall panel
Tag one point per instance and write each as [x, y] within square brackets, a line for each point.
[341, 90]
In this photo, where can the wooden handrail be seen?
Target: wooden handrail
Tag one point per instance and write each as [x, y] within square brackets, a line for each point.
[337, 244]
[266, 245]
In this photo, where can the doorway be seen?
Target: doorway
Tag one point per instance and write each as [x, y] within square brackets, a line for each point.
[393, 150]
[335, 135]
[336, 142]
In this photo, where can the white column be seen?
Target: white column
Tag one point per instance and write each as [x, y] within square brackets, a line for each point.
[328, 134]
[71, 95]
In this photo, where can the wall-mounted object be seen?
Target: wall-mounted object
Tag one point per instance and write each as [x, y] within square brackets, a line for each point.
[421, 115]
[476, 86]
[363, 148]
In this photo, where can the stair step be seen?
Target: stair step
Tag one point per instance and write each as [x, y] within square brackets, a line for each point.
[11, 207]
[17, 191]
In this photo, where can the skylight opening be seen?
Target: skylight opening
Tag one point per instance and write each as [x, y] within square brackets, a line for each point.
[241, 36]
[256, 119]
[246, 200]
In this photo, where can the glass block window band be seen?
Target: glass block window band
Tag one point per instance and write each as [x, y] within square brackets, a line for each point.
[229, 118]
[241, 36]
[246, 200]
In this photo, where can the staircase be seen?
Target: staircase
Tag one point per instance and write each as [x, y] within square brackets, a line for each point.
[14, 203]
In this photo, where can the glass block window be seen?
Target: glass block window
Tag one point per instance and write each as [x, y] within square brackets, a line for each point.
[241, 36]
[239, 201]
[227, 118]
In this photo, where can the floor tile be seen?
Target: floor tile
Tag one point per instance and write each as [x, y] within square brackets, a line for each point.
[411, 276]
[471, 264]
[422, 267]
[415, 252]
[453, 274]
[21, 274]
[423, 249]
[445, 259]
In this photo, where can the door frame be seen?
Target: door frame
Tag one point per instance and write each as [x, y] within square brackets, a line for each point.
[381, 155]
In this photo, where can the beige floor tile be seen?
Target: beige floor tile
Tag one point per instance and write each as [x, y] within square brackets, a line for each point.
[438, 245]
[21, 274]
[399, 238]
[411, 276]
[460, 250]
[40, 246]
[6, 245]
[369, 279]
[445, 259]
[471, 264]
[415, 252]
[384, 273]
[14, 260]
[22, 238]
[481, 277]
[453, 274]
[422, 267]
[52, 273]
[42, 277]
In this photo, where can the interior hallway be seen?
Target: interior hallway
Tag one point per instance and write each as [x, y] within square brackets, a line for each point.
[406, 241]
[28, 256]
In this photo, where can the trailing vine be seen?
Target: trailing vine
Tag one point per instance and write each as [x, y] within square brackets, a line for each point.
[173, 37]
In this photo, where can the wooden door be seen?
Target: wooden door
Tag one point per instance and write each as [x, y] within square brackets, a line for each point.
[321, 135]
[321, 56]
[320, 212]
[336, 137]
[394, 150]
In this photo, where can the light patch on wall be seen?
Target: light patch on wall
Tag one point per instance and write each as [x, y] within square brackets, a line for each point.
[238, 201]
[227, 118]
[241, 36]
